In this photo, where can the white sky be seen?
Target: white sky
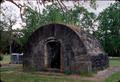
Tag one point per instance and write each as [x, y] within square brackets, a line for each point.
[14, 11]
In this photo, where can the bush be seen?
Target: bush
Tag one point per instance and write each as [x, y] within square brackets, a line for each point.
[1, 58]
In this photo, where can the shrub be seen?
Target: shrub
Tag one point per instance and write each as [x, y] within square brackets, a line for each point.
[1, 58]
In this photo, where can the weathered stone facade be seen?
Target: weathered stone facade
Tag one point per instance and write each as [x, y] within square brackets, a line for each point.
[62, 47]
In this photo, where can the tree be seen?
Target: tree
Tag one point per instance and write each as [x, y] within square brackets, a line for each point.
[8, 38]
[54, 14]
[22, 6]
[3, 41]
[109, 29]
[6, 22]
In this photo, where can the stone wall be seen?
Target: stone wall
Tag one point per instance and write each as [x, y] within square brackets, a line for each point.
[76, 51]
[99, 62]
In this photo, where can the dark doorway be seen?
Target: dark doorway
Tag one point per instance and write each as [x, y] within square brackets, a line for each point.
[53, 52]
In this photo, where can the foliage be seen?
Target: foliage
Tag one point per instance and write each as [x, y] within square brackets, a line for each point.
[5, 59]
[1, 57]
[4, 41]
[4, 36]
[6, 31]
[51, 13]
[54, 14]
[109, 29]
[22, 5]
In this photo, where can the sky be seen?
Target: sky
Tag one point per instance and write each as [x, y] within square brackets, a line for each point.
[13, 11]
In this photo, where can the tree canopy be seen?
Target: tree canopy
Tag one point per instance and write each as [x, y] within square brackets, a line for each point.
[53, 14]
[109, 29]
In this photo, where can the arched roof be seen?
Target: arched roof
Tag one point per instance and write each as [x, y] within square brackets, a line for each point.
[93, 46]
[77, 48]
[91, 43]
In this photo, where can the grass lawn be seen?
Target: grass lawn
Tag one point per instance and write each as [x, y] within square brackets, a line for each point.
[29, 77]
[115, 77]
[114, 61]
[14, 74]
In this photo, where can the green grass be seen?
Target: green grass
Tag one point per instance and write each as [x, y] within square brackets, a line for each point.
[114, 62]
[29, 77]
[17, 76]
[14, 74]
[11, 68]
[6, 59]
[115, 77]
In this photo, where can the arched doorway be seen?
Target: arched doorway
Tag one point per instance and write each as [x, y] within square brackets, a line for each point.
[53, 54]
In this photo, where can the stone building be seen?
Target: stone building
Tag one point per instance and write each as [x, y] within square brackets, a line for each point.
[63, 48]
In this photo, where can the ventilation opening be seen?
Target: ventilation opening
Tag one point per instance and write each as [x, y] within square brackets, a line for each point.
[53, 51]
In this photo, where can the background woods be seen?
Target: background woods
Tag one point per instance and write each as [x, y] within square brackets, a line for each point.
[105, 26]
